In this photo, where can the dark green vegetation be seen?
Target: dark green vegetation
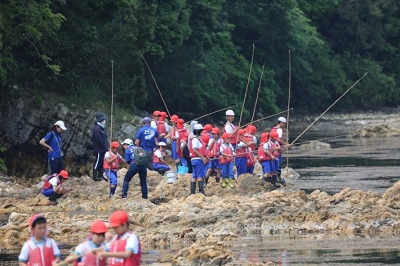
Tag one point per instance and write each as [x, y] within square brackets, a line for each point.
[200, 51]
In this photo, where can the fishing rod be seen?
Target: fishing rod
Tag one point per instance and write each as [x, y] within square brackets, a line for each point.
[247, 86]
[288, 106]
[266, 117]
[352, 86]
[303, 142]
[211, 113]
[258, 91]
[155, 82]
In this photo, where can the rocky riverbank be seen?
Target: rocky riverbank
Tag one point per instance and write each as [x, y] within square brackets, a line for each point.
[204, 223]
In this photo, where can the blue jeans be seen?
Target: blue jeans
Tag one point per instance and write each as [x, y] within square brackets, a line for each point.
[133, 170]
[227, 170]
[174, 154]
[112, 176]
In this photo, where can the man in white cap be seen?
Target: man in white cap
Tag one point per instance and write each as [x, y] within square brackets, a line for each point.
[159, 163]
[230, 128]
[53, 143]
[278, 128]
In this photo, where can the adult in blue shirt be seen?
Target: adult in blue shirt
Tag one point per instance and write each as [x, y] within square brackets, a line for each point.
[146, 138]
[100, 146]
[52, 142]
[133, 170]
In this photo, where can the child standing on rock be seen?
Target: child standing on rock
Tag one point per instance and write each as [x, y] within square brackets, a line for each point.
[226, 160]
[112, 161]
[84, 252]
[213, 154]
[265, 156]
[198, 155]
[124, 248]
[39, 249]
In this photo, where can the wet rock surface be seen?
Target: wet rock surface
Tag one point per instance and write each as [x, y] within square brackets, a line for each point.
[205, 223]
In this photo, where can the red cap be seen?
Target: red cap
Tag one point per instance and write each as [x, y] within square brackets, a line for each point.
[205, 137]
[180, 121]
[119, 217]
[207, 127]
[241, 132]
[274, 135]
[215, 130]
[34, 218]
[163, 114]
[64, 174]
[98, 227]
[156, 113]
[264, 137]
[115, 144]
[174, 118]
[226, 136]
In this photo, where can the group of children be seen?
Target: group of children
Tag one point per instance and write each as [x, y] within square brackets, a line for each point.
[101, 248]
[205, 151]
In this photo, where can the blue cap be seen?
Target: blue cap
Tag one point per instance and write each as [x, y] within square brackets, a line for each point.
[146, 119]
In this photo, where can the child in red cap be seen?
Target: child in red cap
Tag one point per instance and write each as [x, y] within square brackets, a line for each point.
[112, 161]
[125, 246]
[53, 187]
[39, 249]
[226, 160]
[84, 252]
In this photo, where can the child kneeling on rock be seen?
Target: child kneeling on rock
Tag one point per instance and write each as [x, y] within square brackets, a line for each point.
[85, 252]
[125, 246]
[159, 163]
[39, 250]
[54, 188]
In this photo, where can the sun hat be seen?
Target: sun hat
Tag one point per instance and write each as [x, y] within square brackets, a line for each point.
[161, 143]
[100, 117]
[229, 112]
[115, 144]
[60, 124]
[198, 126]
[274, 135]
[282, 119]
[174, 118]
[215, 130]
[127, 141]
[163, 114]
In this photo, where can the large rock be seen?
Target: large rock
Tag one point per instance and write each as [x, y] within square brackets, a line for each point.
[26, 121]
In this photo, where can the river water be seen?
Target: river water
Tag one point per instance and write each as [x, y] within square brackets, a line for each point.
[367, 164]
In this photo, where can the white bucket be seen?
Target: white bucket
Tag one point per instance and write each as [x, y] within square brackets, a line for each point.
[170, 177]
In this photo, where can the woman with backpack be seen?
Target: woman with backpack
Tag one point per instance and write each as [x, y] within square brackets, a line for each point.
[53, 142]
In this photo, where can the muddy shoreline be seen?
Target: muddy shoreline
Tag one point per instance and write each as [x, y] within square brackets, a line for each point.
[209, 225]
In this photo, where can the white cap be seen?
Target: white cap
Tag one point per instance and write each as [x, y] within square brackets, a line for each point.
[198, 126]
[127, 141]
[161, 143]
[229, 112]
[282, 119]
[60, 124]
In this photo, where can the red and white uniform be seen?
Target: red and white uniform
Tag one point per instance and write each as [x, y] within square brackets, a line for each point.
[41, 253]
[158, 155]
[88, 259]
[213, 148]
[197, 143]
[127, 241]
[277, 130]
[228, 150]
[229, 128]
[114, 164]
[262, 156]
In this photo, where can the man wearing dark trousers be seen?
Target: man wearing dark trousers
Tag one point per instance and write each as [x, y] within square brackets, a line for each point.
[100, 146]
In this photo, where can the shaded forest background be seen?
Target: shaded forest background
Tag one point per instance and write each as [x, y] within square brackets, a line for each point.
[200, 52]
